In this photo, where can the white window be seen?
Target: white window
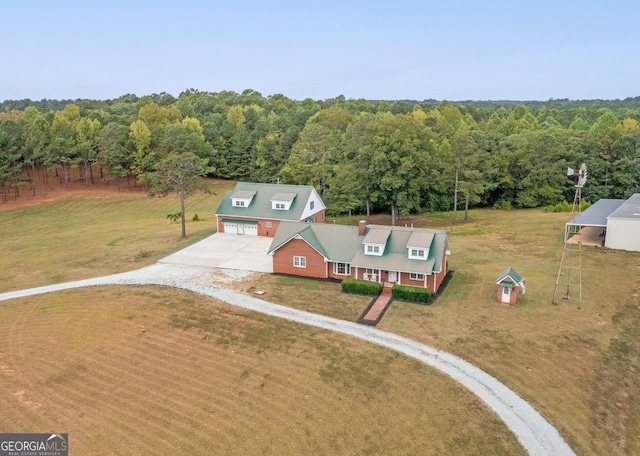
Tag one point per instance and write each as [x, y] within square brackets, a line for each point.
[413, 276]
[342, 268]
[300, 262]
[373, 249]
[311, 204]
[373, 271]
[417, 253]
[280, 206]
[239, 203]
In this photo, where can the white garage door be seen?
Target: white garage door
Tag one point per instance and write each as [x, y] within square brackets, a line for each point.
[251, 229]
[230, 227]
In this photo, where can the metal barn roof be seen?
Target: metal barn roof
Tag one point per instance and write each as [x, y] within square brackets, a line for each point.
[630, 209]
[596, 214]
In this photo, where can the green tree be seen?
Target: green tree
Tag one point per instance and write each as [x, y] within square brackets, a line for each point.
[400, 155]
[181, 173]
[35, 141]
[87, 131]
[11, 133]
[114, 152]
[143, 157]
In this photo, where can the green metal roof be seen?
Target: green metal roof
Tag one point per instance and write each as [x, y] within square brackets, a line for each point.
[512, 274]
[336, 243]
[341, 243]
[260, 207]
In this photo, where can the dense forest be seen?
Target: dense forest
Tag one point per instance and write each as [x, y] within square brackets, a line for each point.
[361, 155]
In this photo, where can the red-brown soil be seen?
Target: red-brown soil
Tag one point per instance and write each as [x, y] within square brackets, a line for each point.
[55, 189]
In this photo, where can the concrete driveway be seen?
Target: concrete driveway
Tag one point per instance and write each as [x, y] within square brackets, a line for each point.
[226, 251]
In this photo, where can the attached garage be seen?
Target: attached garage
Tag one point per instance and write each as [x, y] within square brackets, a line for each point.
[230, 227]
[248, 227]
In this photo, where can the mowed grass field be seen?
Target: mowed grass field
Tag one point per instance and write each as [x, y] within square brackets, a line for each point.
[150, 370]
[576, 362]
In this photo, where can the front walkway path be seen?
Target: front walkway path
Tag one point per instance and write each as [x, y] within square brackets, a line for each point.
[533, 432]
[376, 310]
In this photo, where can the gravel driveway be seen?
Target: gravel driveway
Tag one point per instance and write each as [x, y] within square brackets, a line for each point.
[533, 432]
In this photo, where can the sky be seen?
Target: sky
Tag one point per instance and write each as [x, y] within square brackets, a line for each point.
[393, 50]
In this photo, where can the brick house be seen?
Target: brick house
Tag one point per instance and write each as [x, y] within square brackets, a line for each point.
[385, 254]
[258, 209]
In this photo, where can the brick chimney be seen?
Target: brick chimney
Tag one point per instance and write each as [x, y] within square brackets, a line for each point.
[362, 225]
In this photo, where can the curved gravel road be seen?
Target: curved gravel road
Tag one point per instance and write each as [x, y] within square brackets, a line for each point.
[534, 433]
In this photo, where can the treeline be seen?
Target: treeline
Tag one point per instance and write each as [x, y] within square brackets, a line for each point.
[361, 155]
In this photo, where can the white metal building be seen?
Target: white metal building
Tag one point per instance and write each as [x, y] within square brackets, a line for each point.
[618, 219]
[623, 226]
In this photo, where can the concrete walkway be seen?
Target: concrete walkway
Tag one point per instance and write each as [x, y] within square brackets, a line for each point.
[533, 432]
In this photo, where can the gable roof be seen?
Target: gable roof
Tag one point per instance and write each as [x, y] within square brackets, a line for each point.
[336, 243]
[261, 207]
[511, 274]
[343, 244]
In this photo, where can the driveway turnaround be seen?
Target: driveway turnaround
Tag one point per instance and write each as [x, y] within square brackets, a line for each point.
[533, 432]
[226, 251]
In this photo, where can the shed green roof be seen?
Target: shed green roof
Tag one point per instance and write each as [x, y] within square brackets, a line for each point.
[509, 273]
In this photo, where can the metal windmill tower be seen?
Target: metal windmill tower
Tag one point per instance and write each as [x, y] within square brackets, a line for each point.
[570, 270]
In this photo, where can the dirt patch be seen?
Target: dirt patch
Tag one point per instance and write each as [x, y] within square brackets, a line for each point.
[54, 189]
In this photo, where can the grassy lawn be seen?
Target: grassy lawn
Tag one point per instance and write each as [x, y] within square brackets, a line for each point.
[150, 370]
[87, 236]
[577, 363]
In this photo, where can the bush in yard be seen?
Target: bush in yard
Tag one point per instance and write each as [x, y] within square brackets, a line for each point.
[361, 287]
[414, 294]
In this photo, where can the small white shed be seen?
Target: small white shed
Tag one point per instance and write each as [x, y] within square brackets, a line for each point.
[623, 226]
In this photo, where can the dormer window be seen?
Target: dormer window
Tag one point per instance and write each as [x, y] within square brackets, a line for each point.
[418, 245]
[418, 254]
[282, 201]
[375, 241]
[242, 198]
[373, 249]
